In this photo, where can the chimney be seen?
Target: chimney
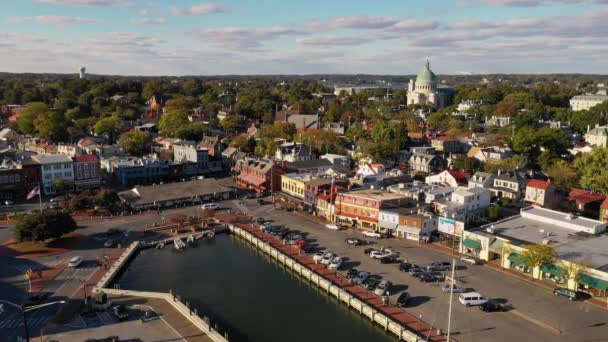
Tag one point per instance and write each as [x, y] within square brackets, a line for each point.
[499, 171]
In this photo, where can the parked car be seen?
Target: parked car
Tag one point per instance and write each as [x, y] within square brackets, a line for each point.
[335, 263]
[327, 258]
[470, 260]
[406, 266]
[332, 226]
[402, 300]
[389, 259]
[491, 306]
[427, 277]
[571, 295]
[371, 283]
[307, 249]
[352, 273]
[75, 261]
[383, 287]
[207, 206]
[120, 312]
[354, 241]
[377, 254]
[439, 266]
[472, 298]
[318, 256]
[372, 234]
[416, 271]
[294, 239]
[112, 242]
[259, 220]
[455, 288]
[361, 277]
[369, 250]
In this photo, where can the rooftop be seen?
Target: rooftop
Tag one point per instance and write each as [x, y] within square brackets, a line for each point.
[307, 164]
[52, 158]
[375, 194]
[172, 191]
[575, 238]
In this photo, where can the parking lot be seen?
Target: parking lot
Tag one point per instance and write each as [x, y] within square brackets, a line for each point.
[534, 314]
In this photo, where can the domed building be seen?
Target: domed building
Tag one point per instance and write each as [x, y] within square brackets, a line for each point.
[425, 90]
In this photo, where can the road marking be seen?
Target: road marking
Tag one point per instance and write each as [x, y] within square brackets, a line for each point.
[537, 322]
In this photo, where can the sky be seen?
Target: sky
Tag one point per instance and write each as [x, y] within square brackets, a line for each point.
[190, 37]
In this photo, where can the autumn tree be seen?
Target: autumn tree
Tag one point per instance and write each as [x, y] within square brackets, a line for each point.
[592, 168]
[539, 254]
[135, 142]
[172, 121]
[109, 126]
[29, 114]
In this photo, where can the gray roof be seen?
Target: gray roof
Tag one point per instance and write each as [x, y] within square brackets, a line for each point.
[309, 164]
[147, 195]
[52, 158]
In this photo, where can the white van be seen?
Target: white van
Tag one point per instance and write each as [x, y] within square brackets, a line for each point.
[209, 206]
[472, 298]
[75, 261]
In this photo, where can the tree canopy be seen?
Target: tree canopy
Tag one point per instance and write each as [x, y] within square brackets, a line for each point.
[135, 142]
[45, 225]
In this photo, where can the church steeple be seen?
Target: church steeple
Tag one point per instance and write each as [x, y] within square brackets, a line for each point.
[427, 64]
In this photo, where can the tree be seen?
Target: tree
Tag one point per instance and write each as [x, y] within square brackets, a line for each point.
[592, 168]
[195, 131]
[180, 103]
[494, 212]
[539, 254]
[44, 225]
[135, 142]
[563, 174]
[110, 127]
[244, 143]
[29, 114]
[50, 125]
[172, 121]
[231, 123]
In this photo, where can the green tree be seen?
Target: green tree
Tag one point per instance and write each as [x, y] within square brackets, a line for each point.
[494, 212]
[539, 254]
[244, 143]
[172, 121]
[29, 114]
[51, 125]
[110, 127]
[563, 174]
[592, 169]
[232, 123]
[44, 225]
[135, 142]
[194, 131]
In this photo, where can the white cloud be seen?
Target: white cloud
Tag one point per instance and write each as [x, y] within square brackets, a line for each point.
[148, 21]
[241, 38]
[52, 19]
[119, 3]
[334, 41]
[200, 9]
[526, 3]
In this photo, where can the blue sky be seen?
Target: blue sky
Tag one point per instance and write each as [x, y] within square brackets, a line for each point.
[189, 37]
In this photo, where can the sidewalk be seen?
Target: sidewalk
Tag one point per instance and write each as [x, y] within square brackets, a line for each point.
[38, 283]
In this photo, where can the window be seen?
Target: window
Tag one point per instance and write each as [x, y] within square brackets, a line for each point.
[46, 167]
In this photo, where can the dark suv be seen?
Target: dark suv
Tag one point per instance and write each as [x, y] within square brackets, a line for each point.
[571, 295]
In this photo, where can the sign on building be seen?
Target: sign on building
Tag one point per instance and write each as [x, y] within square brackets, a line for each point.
[449, 226]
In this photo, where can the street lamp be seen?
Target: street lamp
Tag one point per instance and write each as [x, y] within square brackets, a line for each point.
[25, 309]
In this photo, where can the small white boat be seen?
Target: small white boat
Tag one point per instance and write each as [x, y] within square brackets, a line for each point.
[160, 245]
[199, 236]
[179, 244]
[190, 239]
[210, 234]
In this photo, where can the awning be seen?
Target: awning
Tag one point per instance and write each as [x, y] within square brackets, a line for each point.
[496, 246]
[593, 282]
[517, 258]
[553, 269]
[475, 244]
[408, 230]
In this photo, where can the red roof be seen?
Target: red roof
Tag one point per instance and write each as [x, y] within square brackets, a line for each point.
[581, 196]
[445, 139]
[604, 204]
[85, 158]
[539, 184]
[461, 176]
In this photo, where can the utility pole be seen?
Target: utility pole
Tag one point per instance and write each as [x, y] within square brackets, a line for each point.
[451, 296]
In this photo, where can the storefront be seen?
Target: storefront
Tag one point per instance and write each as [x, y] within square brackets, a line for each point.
[471, 246]
[592, 285]
[496, 249]
[518, 263]
[410, 233]
[554, 274]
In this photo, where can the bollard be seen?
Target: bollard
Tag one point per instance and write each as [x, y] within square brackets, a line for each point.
[216, 326]
[195, 311]
[226, 335]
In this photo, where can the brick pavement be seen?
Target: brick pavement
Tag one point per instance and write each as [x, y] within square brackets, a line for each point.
[46, 276]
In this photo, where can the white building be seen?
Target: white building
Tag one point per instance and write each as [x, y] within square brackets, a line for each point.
[425, 91]
[337, 160]
[54, 167]
[293, 152]
[598, 136]
[465, 204]
[587, 101]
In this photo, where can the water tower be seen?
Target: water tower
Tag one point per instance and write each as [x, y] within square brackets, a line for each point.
[82, 72]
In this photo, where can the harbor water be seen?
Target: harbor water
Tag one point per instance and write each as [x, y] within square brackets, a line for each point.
[250, 296]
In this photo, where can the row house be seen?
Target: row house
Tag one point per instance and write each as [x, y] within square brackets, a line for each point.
[421, 192]
[86, 172]
[482, 180]
[293, 152]
[584, 202]
[416, 226]
[361, 209]
[541, 193]
[260, 176]
[391, 217]
[337, 160]
[510, 184]
[69, 150]
[446, 145]
[191, 154]
[136, 171]
[464, 204]
[425, 163]
[12, 182]
[54, 168]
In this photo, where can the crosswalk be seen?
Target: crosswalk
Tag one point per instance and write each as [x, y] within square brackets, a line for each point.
[75, 273]
[77, 323]
[34, 267]
[18, 322]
